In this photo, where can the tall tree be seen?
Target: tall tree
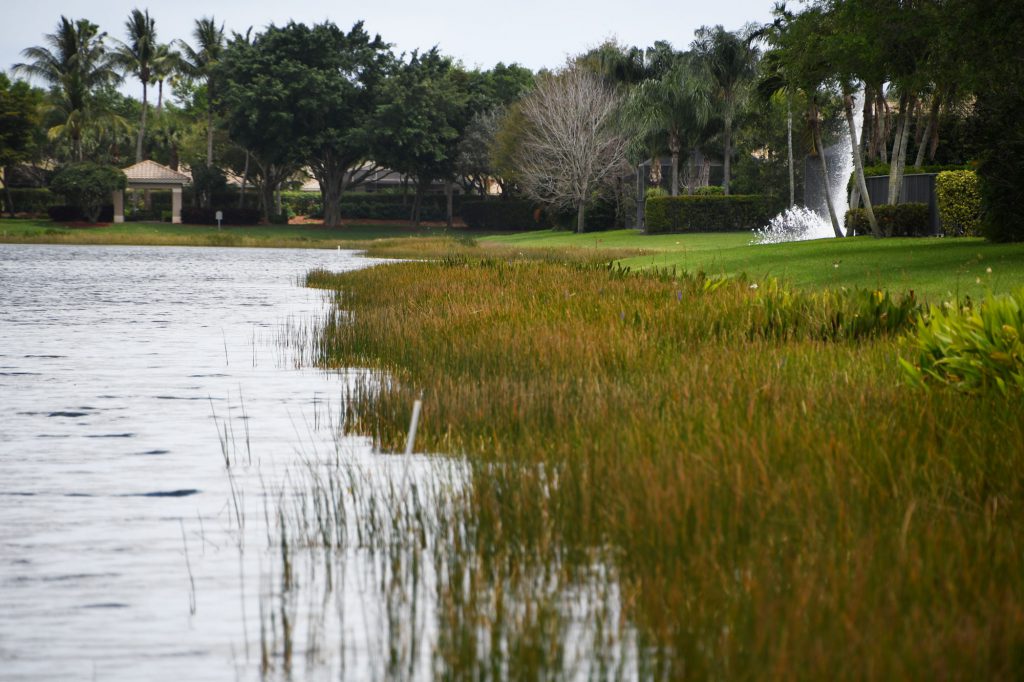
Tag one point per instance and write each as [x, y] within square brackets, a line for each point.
[571, 145]
[674, 109]
[201, 62]
[420, 120]
[20, 120]
[74, 62]
[166, 63]
[730, 61]
[316, 90]
[137, 57]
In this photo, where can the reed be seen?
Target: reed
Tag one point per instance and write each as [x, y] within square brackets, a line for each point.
[672, 475]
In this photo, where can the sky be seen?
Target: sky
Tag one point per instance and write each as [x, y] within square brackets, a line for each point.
[534, 33]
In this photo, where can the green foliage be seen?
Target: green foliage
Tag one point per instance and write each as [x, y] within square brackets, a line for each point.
[901, 220]
[507, 214]
[879, 169]
[88, 186]
[959, 200]
[711, 213]
[231, 216]
[19, 120]
[302, 203]
[1001, 171]
[34, 199]
[654, 192]
[972, 347]
[709, 191]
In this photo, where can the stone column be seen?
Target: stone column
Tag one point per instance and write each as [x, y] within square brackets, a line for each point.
[176, 205]
[118, 205]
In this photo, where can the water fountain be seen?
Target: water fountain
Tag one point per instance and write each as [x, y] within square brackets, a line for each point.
[800, 223]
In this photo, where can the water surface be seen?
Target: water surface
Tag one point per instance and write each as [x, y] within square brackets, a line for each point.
[121, 371]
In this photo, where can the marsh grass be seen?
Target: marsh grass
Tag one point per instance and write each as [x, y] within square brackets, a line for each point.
[742, 466]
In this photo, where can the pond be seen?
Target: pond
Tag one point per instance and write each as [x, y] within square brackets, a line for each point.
[150, 410]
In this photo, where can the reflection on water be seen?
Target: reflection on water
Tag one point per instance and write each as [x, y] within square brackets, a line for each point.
[121, 554]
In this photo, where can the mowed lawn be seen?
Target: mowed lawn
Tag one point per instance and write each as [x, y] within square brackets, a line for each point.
[932, 268]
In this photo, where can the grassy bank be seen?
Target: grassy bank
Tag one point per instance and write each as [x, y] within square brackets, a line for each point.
[726, 480]
[935, 269]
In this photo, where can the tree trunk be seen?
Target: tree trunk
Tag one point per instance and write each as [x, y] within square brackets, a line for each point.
[655, 171]
[331, 188]
[159, 96]
[245, 178]
[640, 196]
[416, 202]
[705, 172]
[449, 190]
[816, 126]
[727, 158]
[209, 136]
[142, 125]
[858, 166]
[899, 150]
[581, 217]
[789, 150]
[673, 147]
[882, 126]
[933, 116]
[7, 192]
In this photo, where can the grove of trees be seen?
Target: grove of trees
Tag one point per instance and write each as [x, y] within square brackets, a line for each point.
[941, 84]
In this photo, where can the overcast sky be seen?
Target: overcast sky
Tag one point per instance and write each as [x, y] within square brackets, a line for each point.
[535, 33]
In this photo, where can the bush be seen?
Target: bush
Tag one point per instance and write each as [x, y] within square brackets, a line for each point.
[88, 186]
[208, 216]
[301, 203]
[32, 199]
[712, 213]
[959, 199]
[901, 220]
[972, 347]
[883, 169]
[653, 192]
[482, 214]
[709, 191]
[74, 214]
[1001, 172]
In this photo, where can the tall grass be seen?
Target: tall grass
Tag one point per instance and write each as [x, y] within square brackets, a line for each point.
[673, 475]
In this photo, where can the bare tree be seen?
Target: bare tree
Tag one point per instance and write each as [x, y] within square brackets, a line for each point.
[571, 146]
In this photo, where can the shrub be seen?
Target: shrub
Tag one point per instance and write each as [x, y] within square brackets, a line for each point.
[711, 213]
[301, 203]
[652, 192]
[74, 214]
[600, 215]
[208, 216]
[501, 215]
[901, 220]
[709, 191]
[32, 199]
[959, 199]
[883, 169]
[88, 186]
[972, 347]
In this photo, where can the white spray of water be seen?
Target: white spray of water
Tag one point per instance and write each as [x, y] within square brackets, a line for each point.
[800, 223]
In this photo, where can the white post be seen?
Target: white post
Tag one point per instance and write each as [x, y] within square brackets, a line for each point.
[118, 205]
[176, 205]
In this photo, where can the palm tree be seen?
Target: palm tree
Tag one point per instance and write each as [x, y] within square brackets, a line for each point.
[730, 62]
[200, 62]
[136, 57]
[74, 61]
[166, 63]
[674, 110]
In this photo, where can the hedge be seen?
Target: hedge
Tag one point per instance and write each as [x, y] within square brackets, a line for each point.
[208, 216]
[74, 214]
[710, 213]
[959, 198]
[480, 214]
[901, 220]
[31, 199]
[884, 169]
